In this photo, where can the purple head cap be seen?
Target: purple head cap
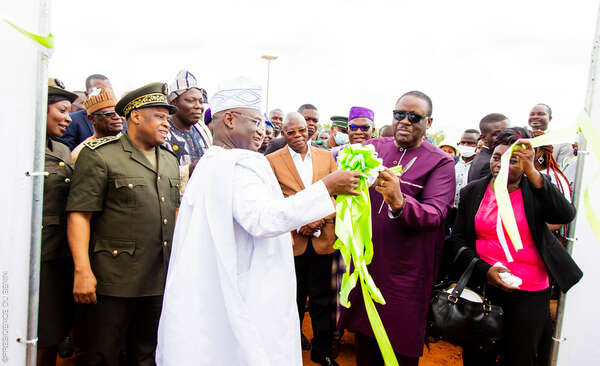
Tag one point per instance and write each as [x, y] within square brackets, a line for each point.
[207, 116]
[361, 112]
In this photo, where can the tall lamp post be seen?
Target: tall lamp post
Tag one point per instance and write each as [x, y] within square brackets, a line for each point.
[269, 59]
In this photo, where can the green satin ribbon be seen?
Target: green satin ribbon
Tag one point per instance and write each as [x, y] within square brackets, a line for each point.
[505, 209]
[354, 232]
[47, 41]
[589, 210]
[593, 143]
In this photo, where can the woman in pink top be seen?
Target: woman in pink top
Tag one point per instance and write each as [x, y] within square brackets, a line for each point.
[535, 201]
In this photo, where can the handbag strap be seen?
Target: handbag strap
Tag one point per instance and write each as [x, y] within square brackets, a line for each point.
[483, 288]
[462, 282]
[458, 253]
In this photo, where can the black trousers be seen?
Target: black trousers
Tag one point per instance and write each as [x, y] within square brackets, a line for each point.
[56, 306]
[368, 353]
[525, 316]
[118, 324]
[313, 280]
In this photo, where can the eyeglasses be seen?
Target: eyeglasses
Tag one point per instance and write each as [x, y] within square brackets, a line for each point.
[259, 122]
[107, 115]
[363, 128]
[413, 118]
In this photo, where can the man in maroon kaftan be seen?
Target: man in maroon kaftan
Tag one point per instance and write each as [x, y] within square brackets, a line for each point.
[408, 232]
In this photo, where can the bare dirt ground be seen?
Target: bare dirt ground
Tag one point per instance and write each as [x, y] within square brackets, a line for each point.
[440, 354]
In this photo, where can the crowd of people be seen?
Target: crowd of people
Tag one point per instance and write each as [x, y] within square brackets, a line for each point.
[181, 230]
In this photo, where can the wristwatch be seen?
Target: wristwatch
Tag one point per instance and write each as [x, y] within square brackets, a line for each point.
[394, 214]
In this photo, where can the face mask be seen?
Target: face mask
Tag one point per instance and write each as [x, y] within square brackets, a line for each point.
[341, 138]
[466, 151]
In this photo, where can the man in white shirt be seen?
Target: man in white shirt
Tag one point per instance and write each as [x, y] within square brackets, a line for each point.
[540, 117]
[466, 149]
[297, 166]
[230, 291]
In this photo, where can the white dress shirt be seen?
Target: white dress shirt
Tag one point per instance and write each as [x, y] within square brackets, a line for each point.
[461, 172]
[304, 167]
[230, 295]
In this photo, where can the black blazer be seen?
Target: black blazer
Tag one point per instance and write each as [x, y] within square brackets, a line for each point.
[275, 144]
[543, 205]
[79, 129]
[480, 167]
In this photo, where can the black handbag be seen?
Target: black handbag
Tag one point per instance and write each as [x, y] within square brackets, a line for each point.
[462, 322]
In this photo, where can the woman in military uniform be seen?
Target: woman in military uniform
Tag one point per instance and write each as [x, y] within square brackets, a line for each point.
[56, 271]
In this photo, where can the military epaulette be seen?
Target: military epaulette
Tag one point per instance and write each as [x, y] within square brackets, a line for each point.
[96, 143]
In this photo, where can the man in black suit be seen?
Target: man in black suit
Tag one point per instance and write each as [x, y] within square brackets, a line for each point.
[490, 126]
[80, 127]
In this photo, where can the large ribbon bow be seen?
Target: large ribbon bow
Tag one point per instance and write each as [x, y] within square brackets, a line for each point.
[353, 229]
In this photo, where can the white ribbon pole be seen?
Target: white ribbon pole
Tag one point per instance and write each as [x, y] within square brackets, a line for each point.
[581, 345]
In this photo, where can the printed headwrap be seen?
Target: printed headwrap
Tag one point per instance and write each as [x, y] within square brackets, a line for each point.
[183, 82]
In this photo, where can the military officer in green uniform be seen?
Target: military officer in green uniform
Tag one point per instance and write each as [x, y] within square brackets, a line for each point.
[122, 207]
[56, 267]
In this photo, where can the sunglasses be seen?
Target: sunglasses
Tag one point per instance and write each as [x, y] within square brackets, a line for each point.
[363, 128]
[412, 117]
[107, 115]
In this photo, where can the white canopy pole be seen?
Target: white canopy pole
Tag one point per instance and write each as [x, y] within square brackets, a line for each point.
[577, 320]
[41, 108]
[23, 123]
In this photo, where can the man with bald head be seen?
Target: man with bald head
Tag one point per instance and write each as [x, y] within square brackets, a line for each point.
[297, 166]
[311, 117]
[386, 131]
[231, 288]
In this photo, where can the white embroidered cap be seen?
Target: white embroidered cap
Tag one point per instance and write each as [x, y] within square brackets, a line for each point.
[237, 93]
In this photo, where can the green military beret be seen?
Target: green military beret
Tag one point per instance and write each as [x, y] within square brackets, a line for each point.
[151, 95]
[339, 121]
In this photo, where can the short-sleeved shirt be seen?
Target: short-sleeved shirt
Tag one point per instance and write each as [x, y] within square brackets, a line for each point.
[59, 166]
[134, 208]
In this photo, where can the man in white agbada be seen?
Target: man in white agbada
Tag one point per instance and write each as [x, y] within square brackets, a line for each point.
[231, 288]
